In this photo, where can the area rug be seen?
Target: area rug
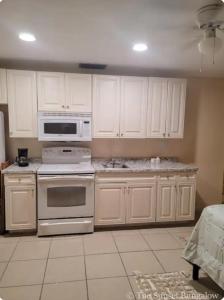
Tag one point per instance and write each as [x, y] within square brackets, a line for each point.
[166, 286]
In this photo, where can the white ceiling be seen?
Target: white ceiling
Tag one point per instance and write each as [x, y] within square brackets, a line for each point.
[103, 31]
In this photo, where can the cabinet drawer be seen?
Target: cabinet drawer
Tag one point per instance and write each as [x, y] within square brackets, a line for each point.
[20, 179]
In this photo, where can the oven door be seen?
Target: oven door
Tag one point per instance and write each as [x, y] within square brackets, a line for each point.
[65, 196]
[59, 129]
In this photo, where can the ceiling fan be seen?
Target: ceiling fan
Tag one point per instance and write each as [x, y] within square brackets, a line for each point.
[210, 21]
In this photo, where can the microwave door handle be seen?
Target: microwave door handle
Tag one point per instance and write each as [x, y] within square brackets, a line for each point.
[80, 128]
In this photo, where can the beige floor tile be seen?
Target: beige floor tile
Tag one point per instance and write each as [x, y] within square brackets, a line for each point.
[131, 243]
[125, 232]
[153, 230]
[2, 268]
[31, 250]
[171, 260]
[98, 244]
[144, 262]
[182, 237]
[67, 236]
[6, 251]
[159, 241]
[21, 293]
[181, 229]
[34, 238]
[9, 239]
[65, 291]
[24, 273]
[65, 269]
[110, 289]
[104, 265]
[68, 247]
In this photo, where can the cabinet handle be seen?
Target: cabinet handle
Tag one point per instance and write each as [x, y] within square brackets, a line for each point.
[169, 134]
[122, 134]
[117, 134]
[67, 106]
[164, 134]
[63, 106]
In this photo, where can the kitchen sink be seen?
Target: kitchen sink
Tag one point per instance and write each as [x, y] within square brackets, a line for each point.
[115, 165]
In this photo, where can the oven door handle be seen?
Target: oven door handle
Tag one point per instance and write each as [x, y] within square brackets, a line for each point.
[66, 223]
[66, 177]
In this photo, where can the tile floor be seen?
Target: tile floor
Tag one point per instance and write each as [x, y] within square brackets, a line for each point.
[96, 266]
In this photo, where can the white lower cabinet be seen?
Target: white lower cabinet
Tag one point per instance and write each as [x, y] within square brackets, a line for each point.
[126, 202]
[176, 198]
[144, 200]
[20, 203]
[166, 199]
[185, 206]
[109, 204]
[141, 202]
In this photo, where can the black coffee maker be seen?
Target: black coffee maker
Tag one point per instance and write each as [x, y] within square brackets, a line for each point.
[22, 158]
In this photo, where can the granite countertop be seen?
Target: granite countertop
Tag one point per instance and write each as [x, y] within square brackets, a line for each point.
[144, 165]
[31, 169]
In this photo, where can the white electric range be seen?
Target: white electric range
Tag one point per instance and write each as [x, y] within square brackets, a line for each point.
[65, 191]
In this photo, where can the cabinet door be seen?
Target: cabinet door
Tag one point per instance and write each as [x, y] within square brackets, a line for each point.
[176, 108]
[78, 92]
[3, 88]
[51, 91]
[166, 199]
[106, 106]
[22, 101]
[185, 208]
[133, 107]
[141, 203]
[109, 204]
[157, 102]
[20, 207]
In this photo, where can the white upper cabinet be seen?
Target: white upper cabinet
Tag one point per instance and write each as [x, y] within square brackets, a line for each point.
[64, 92]
[166, 108]
[157, 103]
[78, 92]
[51, 91]
[133, 107]
[176, 108]
[3, 87]
[106, 106]
[22, 101]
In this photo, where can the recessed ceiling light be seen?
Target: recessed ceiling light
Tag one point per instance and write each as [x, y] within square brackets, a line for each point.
[27, 37]
[1, 0]
[140, 47]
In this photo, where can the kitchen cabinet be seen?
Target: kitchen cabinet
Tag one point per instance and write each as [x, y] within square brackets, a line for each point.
[141, 201]
[133, 107]
[109, 203]
[20, 202]
[176, 108]
[51, 91]
[3, 87]
[22, 103]
[156, 115]
[119, 106]
[166, 199]
[78, 92]
[106, 106]
[166, 108]
[148, 199]
[62, 92]
[186, 193]
[123, 200]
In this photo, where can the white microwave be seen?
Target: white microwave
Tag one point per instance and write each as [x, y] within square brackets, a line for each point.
[71, 127]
